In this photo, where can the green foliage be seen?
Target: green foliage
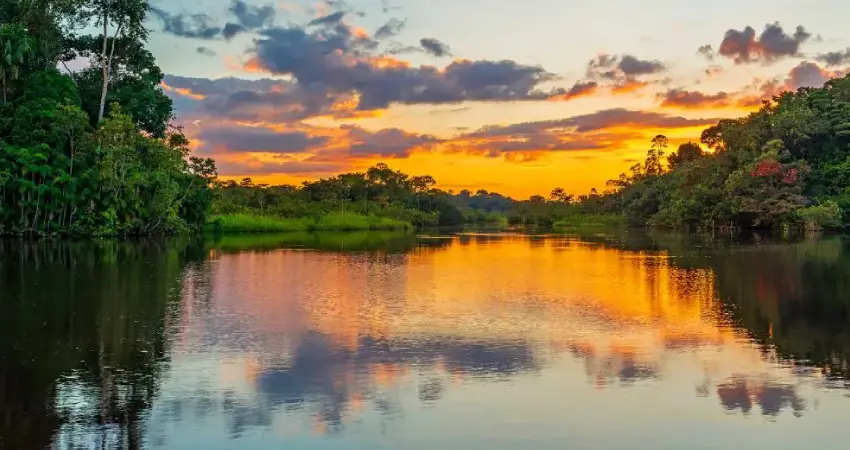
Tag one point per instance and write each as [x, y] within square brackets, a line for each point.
[765, 170]
[63, 170]
[379, 192]
[826, 215]
[244, 223]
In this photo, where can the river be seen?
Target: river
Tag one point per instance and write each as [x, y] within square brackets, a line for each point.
[610, 340]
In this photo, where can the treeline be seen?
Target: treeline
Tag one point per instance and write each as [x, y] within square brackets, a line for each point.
[386, 193]
[787, 165]
[90, 152]
[379, 192]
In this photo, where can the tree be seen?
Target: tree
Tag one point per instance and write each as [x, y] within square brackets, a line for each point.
[560, 195]
[126, 17]
[15, 44]
[685, 153]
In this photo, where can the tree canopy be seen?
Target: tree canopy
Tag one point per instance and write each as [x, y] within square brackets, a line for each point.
[92, 152]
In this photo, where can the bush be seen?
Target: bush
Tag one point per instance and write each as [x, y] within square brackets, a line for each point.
[826, 215]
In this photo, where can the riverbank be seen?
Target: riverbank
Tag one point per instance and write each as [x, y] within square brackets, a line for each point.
[245, 223]
[589, 219]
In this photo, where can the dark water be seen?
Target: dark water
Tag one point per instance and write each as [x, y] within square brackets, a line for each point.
[619, 341]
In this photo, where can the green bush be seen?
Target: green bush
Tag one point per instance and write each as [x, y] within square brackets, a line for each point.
[826, 215]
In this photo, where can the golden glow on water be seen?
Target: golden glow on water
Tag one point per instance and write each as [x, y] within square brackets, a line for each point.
[479, 305]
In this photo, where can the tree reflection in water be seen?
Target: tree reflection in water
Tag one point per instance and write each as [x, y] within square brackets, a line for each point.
[107, 344]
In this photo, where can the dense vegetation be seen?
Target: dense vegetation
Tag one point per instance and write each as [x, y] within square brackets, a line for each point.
[787, 165]
[380, 198]
[91, 152]
[365, 198]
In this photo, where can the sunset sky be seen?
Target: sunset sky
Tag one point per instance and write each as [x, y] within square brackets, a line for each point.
[513, 96]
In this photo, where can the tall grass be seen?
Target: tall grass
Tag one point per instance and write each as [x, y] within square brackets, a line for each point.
[245, 223]
[586, 220]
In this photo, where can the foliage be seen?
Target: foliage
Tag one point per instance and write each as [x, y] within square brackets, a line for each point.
[243, 223]
[765, 170]
[62, 169]
[826, 215]
[379, 192]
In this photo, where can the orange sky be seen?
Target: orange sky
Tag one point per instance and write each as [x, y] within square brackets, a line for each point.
[327, 91]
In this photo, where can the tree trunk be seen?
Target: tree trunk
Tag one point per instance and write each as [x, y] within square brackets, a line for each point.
[105, 61]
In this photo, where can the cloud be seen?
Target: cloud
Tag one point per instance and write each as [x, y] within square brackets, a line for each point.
[248, 18]
[390, 142]
[390, 29]
[713, 70]
[251, 139]
[682, 98]
[602, 130]
[252, 17]
[806, 74]
[834, 58]
[601, 120]
[231, 29]
[258, 167]
[632, 66]
[615, 67]
[435, 47]
[342, 62]
[206, 51]
[579, 89]
[628, 86]
[198, 26]
[329, 19]
[706, 51]
[773, 43]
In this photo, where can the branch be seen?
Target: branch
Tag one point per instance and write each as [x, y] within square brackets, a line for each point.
[70, 73]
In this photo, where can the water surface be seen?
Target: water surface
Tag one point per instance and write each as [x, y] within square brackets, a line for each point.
[472, 341]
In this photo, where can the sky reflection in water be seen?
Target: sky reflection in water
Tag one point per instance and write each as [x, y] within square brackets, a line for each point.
[495, 342]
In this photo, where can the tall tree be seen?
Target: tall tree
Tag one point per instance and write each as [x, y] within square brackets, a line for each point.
[126, 18]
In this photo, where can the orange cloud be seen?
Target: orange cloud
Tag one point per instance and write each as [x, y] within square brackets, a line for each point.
[580, 89]
[629, 86]
[183, 92]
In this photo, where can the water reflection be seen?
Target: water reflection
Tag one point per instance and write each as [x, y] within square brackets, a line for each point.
[273, 339]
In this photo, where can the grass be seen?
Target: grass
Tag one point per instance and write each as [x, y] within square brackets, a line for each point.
[388, 241]
[586, 220]
[244, 223]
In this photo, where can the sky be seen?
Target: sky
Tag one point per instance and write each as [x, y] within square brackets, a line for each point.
[515, 96]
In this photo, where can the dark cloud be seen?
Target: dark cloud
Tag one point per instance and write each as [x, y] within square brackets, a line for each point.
[252, 17]
[248, 18]
[245, 139]
[390, 142]
[580, 89]
[600, 120]
[773, 43]
[632, 66]
[806, 74]
[435, 47]
[206, 51]
[231, 29]
[343, 63]
[835, 58]
[289, 167]
[329, 19]
[706, 51]
[198, 26]
[392, 28]
[682, 98]
[623, 73]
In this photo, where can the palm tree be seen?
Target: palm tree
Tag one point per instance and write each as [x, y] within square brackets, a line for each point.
[14, 44]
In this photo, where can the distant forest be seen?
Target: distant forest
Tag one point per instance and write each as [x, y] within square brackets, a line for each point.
[785, 166]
